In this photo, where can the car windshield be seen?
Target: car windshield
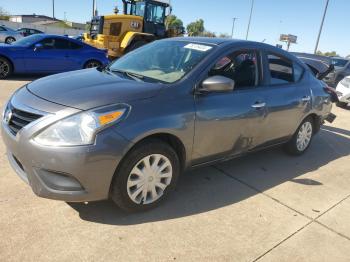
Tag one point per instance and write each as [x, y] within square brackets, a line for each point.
[339, 62]
[28, 41]
[163, 61]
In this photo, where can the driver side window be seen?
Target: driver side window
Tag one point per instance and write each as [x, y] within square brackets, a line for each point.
[240, 67]
[48, 43]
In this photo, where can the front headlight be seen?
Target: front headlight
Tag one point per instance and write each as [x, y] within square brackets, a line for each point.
[81, 129]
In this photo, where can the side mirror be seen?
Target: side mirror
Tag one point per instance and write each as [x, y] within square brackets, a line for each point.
[38, 46]
[217, 84]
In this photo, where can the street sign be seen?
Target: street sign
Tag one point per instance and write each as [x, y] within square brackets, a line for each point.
[288, 38]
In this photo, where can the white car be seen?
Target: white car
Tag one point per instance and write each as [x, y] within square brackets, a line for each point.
[8, 35]
[343, 91]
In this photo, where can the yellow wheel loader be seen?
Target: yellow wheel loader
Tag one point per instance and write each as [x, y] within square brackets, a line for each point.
[141, 22]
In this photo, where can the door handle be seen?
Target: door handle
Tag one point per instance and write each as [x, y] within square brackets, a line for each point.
[306, 99]
[259, 105]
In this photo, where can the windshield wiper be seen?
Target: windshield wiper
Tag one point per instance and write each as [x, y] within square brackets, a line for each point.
[131, 75]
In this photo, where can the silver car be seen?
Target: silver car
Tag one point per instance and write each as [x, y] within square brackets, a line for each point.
[8, 35]
[127, 131]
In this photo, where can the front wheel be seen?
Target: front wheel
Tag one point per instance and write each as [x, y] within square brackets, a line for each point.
[5, 68]
[10, 40]
[146, 176]
[301, 140]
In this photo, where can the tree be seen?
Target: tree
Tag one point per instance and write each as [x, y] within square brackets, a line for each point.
[196, 28]
[4, 15]
[333, 53]
[208, 34]
[224, 35]
[173, 22]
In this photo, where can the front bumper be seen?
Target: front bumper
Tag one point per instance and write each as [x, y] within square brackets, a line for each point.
[72, 174]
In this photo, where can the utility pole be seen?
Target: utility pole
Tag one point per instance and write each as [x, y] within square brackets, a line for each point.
[250, 19]
[94, 8]
[233, 25]
[53, 9]
[321, 27]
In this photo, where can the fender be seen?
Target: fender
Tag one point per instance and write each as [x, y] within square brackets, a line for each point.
[130, 36]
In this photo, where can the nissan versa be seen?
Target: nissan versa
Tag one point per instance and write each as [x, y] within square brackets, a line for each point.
[127, 131]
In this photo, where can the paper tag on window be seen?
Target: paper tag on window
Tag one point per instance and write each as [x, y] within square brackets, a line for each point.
[198, 47]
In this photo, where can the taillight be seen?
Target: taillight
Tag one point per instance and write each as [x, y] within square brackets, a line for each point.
[333, 93]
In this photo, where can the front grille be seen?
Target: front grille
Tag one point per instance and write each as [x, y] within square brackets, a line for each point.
[20, 119]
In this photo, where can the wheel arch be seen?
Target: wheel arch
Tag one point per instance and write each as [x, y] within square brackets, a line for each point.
[170, 139]
[317, 121]
[135, 36]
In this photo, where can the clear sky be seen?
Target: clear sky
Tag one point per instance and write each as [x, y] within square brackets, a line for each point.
[270, 18]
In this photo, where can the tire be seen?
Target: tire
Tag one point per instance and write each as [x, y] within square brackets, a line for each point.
[92, 64]
[129, 189]
[342, 104]
[10, 40]
[135, 44]
[6, 68]
[306, 131]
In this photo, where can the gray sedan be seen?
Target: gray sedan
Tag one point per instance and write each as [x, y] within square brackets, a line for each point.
[8, 35]
[127, 131]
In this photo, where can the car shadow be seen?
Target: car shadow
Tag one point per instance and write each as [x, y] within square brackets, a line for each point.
[25, 77]
[210, 188]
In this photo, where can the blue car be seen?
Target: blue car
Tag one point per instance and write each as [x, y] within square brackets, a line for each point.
[47, 54]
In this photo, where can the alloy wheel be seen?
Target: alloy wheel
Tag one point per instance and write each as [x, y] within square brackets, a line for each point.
[304, 136]
[4, 69]
[10, 40]
[149, 178]
[92, 64]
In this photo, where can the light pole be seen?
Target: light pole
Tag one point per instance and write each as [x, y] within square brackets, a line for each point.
[53, 9]
[321, 27]
[250, 19]
[233, 25]
[93, 8]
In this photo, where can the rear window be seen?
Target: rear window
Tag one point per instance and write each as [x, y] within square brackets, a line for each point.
[339, 62]
[281, 70]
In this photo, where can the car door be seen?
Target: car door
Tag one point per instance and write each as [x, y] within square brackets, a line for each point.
[229, 123]
[75, 55]
[50, 58]
[287, 97]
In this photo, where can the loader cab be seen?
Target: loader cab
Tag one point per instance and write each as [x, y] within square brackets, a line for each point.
[153, 13]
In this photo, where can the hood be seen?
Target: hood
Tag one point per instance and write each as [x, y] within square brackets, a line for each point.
[86, 89]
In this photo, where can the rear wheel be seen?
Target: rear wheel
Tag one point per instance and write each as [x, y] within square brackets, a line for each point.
[146, 176]
[135, 44]
[5, 68]
[92, 64]
[10, 40]
[301, 140]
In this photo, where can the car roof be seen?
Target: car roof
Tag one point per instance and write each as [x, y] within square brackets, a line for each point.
[228, 41]
[207, 40]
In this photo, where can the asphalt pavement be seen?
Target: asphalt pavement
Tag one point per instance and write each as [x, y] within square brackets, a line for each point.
[267, 206]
